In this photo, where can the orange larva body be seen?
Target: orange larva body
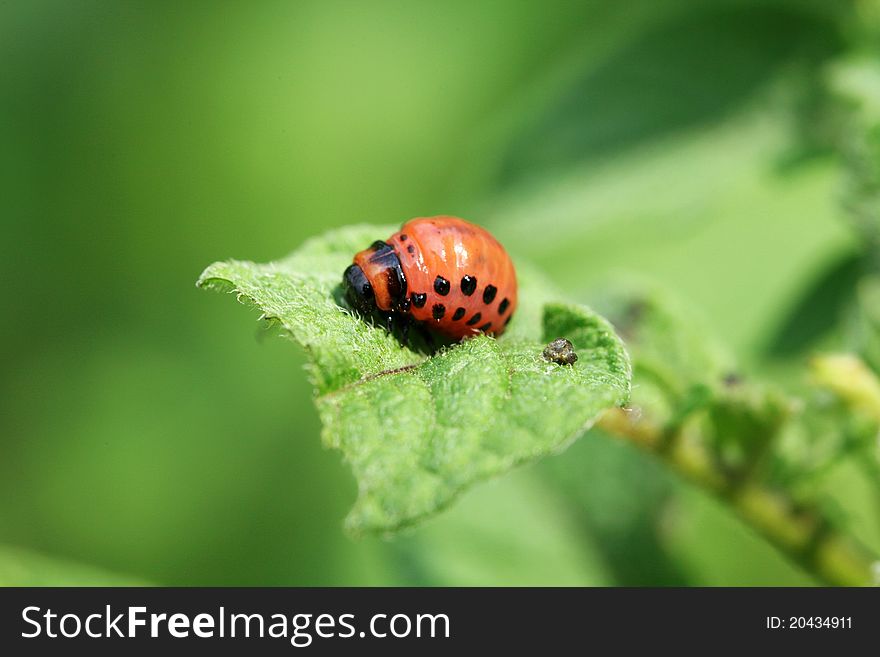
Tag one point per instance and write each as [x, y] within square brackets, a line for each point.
[456, 278]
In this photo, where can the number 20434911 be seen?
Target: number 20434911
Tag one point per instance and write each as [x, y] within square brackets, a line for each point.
[809, 622]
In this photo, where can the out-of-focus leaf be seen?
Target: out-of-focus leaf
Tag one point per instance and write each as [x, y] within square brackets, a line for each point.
[855, 80]
[24, 568]
[734, 437]
[864, 328]
[417, 430]
[819, 309]
[481, 542]
[854, 83]
[621, 498]
[709, 544]
[745, 420]
[682, 373]
[694, 68]
[671, 347]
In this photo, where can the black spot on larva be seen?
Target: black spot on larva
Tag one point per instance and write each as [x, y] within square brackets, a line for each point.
[560, 351]
[410, 249]
[468, 285]
[473, 320]
[486, 326]
[458, 314]
[404, 237]
[437, 311]
[489, 293]
[419, 299]
[502, 307]
[507, 321]
[441, 286]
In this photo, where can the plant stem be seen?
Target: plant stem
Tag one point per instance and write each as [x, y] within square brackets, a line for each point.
[804, 534]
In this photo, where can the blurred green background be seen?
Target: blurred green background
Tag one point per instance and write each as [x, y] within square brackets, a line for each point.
[150, 431]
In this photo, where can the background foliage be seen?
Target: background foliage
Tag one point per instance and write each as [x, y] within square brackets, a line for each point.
[723, 150]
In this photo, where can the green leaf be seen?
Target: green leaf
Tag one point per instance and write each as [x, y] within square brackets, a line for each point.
[744, 422]
[417, 431]
[659, 83]
[685, 382]
[671, 346]
[676, 359]
[819, 308]
[480, 542]
[19, 567]
[853, 83]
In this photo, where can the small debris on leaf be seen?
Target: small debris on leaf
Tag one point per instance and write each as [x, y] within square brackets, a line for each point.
[560, 351]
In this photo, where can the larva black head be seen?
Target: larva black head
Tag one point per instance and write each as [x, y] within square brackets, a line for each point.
[358, 291]
[376, 280]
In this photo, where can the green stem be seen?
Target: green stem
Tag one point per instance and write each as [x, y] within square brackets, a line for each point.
[805, 535]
